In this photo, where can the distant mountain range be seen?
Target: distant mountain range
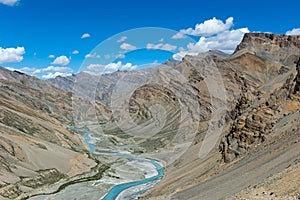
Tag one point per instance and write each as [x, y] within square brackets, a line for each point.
[256, 153]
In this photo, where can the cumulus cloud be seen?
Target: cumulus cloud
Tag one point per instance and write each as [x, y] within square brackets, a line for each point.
[178, 36]
[119, 66]
[295, 31]
[92, 55]
[52, 69]
[95, 67]
[225, 41]
[26, 70]
[122, 39]
[161, 46]
[75, 52]
[111, 67]
[9, 2]
[209, 27]
[11, 54]
[51, 56]
[85, 35]
[128, 47]
[55, 74]
[47, 72]
[61, 60]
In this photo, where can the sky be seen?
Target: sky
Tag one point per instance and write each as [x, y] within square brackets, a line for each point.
[61, 37]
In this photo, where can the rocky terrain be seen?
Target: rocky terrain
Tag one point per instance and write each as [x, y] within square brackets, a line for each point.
[259, 145]
[225, 126]
[37, 148]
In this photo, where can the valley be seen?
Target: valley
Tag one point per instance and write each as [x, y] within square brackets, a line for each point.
[222, 126]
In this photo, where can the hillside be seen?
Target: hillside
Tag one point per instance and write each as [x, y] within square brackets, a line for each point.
[225, 126]
[258, 152]
[37, 148]
[259, 131]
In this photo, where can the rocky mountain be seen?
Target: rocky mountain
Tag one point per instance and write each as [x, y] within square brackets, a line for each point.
[37, 147]
[85, 85]
[225, 126]
[251, 114]
[258, 152]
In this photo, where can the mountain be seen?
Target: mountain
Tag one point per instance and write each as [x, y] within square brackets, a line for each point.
[256, 149]
[225, 126]
[85, 85]
[258, 152]
[37, 148]
[171, 62]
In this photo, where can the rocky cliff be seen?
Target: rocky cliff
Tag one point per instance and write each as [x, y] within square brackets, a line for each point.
[261, 132]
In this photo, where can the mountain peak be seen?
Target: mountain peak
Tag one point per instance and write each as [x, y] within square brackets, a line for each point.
[268, 39]
[270, 46]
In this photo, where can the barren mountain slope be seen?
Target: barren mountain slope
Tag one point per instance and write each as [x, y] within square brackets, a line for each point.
[261, 133]
[251, 100]
[37, 147]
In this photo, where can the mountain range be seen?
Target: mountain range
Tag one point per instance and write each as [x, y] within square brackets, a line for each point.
[225, 126]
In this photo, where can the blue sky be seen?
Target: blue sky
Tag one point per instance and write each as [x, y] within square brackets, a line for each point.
[44, 28]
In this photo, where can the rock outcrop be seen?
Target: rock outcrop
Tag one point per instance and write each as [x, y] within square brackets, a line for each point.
[262, 123]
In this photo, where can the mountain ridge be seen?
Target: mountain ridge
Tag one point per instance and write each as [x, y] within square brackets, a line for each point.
[260, 129]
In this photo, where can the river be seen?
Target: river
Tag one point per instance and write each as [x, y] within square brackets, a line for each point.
[115, 191]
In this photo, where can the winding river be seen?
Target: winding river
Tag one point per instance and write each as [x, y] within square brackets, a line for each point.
[115, 191]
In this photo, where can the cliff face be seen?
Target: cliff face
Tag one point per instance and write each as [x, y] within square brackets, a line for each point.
[262, 124]
[273, 47]
[269, 76]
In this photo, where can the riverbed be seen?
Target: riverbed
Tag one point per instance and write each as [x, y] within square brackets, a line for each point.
[128, 177]
[128, 190]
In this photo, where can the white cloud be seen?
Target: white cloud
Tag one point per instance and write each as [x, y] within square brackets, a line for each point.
[119, 66]
[128, 47]
[92, 55]
[75, 52]
[26, 70]
[11, 54]
[55, 74]
[166, 47]
[209, 27]
[122, 39]
[11, 69]
[95, 67]
[51, 56]
[52, 69]
[121, 56]
[61, 60]
[85, 35]
[225, 41]
[111, 67]
[178, 36]
[9, 2]
[161, 40]
[48, 72]
[295, 31]
[181, 49]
